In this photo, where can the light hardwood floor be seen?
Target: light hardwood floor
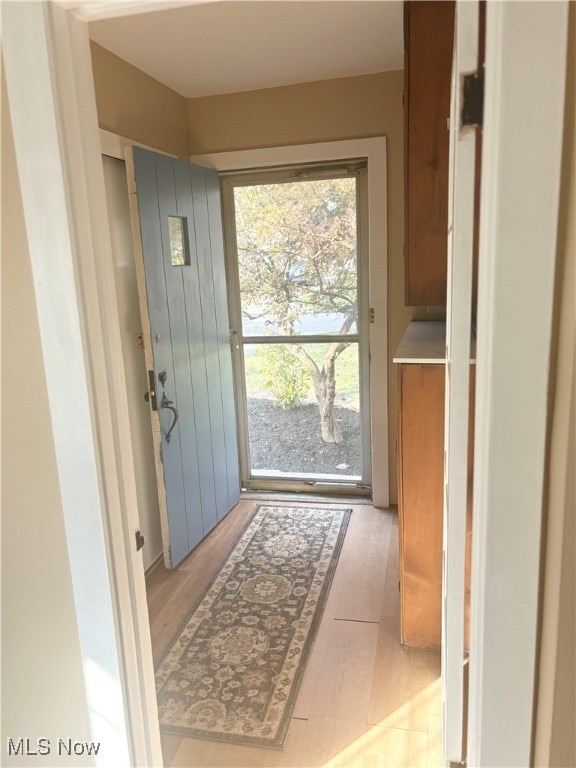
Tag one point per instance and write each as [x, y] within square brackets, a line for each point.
[364, 701]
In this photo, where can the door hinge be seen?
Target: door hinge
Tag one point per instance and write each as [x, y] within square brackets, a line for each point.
[372, 315]
[139, 541]
[472, 112]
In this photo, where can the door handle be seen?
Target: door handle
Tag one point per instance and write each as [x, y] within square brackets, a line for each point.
[150, 396]
[165, 403]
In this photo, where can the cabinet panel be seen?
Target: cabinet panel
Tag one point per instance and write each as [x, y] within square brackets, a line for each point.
[420, 502]
[429, 32]
[421, 467]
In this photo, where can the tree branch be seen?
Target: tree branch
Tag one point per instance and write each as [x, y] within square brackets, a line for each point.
[338, 347]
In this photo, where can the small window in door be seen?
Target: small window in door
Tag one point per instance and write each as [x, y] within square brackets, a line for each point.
[179, 255]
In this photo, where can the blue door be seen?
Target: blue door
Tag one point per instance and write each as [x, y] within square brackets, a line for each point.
[176, 219]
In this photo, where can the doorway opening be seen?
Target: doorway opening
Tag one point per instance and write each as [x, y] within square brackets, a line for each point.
[297, 287]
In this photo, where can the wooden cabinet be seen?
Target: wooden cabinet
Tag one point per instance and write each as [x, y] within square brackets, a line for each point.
[420, 377]
[420, 482]
[428, 44]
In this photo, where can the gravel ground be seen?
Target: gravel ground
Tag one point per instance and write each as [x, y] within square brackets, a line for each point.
[291, 441]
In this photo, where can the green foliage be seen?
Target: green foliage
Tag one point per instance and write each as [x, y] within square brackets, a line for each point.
[284, 376]
[347, 395]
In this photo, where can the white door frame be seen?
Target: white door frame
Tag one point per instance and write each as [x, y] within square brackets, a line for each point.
[53, 111]
[374, 151]
[521, 161]
[52, 102]
[457, 393]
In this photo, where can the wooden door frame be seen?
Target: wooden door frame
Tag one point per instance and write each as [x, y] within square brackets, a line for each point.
[51, 93]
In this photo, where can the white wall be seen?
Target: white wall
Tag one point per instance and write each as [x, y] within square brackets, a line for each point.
[134, 363]
[43, 694]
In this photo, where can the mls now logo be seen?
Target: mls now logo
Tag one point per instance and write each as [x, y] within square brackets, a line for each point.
[26, 747]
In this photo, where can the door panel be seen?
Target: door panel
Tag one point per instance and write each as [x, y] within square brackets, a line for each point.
[178, 386]
[170, 481]
[197, 351]
[223, 336]
[211, 341]
[188, 341]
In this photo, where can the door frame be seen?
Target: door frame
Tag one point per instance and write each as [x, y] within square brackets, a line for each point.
[461, 199]
[48, 69]
[374, 151]
[51, 93]
[523, 118]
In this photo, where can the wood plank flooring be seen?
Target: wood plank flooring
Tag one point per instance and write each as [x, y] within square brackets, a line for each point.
[365, 701]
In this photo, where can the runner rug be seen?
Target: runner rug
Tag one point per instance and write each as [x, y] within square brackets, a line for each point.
[233, 671]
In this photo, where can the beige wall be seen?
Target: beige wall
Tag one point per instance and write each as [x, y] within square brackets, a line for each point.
[331, 110]
[133, 104]
[42, 680]
[327, 110]
[555, 743]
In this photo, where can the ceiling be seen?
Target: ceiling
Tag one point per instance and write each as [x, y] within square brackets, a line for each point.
[227, 47]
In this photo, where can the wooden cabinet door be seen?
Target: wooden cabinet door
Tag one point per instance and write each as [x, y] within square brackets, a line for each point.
[429, 33]
[421, 407]
[421, 479]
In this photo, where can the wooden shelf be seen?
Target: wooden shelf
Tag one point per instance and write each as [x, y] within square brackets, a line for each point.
[423, 342]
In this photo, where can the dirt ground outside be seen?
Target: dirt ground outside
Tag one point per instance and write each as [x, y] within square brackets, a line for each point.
[291, 440]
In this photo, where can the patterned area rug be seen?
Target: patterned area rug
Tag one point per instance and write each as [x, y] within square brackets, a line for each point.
[234, 669]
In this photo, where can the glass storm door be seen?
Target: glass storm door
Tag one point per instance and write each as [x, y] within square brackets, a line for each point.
[297, 270]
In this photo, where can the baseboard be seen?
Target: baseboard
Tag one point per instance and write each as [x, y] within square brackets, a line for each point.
[155, 565]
